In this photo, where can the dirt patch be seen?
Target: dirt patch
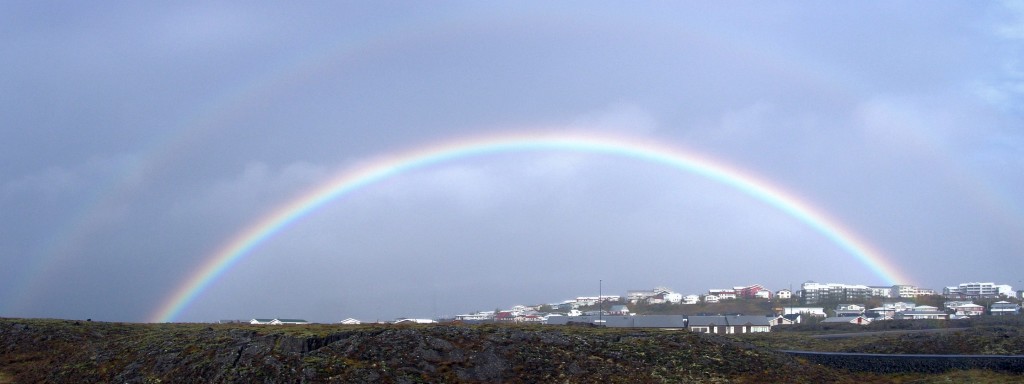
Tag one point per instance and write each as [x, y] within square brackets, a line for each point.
[6, 379]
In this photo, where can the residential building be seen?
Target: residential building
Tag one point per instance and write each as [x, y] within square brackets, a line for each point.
[813, 293]
[691, 299]
[723, 294]
[969, 309]
[807, 311]
[288, 321]
[879, 291]
[752, 291]
[618, 310]
[903, 291]
[729, 324]
[277, 321]
[710, 298]
[784, 294]
[849, 310]
[1004, 308]
[416, 321]
[977, 291]
[476, 316]
[922, 315]
[952, 304]
[783, 320]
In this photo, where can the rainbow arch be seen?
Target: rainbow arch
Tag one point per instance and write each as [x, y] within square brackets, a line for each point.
[343, 183]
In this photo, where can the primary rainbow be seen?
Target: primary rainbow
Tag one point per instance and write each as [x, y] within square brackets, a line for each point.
[360, 176]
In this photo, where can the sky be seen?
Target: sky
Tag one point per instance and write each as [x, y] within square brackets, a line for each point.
[137, 140]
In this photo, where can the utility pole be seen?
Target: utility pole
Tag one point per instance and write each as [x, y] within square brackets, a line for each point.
[600, 303]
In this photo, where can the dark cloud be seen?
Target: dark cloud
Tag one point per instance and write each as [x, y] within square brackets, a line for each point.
[139, 139]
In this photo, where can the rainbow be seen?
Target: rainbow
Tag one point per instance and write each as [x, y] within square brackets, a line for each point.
[235, 249]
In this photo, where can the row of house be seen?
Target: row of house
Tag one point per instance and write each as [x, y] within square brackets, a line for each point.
[277, 321]
[702, 324]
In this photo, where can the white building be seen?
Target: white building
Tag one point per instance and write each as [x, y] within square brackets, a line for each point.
[723, 294]
[784, 294]
[691, 299]
[710, 299]
[978, 290]
[806, 311]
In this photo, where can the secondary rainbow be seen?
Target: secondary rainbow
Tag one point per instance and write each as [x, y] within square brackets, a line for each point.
[234, 250]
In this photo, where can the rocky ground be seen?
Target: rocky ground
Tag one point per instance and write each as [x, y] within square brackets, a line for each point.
[64, 351]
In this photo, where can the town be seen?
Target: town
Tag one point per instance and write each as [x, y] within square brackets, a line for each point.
[747, 309]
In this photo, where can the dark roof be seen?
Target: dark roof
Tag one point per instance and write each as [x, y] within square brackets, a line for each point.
[703, 321]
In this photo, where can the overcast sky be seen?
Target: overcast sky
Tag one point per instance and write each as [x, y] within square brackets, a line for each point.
[138, 138]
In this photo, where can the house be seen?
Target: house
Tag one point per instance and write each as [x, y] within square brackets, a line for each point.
[749, 324]
[729, 324]
[723, 294]
[952, 304]
[781, 320]
[900, 306]
[969, 309]
[706, 324]
[881, 313]
[288, 321]
[710, 299]
[809, 311]
[920, 308]
[796, 318]
[784, 294]
[414, 321]
[922, 315]
[505, 317]
[849, 310]
[477, 316]
[1004, 308]
[859, 320]
[618, 310]
[350, 321]
[691, 299]
[260, 321]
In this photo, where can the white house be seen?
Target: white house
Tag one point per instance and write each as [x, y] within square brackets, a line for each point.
[723, 294]
[673, 297]
[691, 299]
[807, 311]
[477, 316]
[784, 294]
[350, 321]
[415, 321]
[618, 310]
[921, 315]
[710, 299]
[969, 309]
[1004, 308]
[288, 321]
